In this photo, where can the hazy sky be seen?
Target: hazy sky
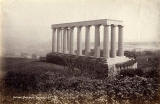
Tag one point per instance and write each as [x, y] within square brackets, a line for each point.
[26, 23]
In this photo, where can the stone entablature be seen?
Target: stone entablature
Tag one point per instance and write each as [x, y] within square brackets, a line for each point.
[63, 37]
[87, 23]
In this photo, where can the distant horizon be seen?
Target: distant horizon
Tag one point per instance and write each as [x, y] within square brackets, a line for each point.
[47, 49]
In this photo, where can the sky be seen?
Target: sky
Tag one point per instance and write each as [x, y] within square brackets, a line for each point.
[26, 24]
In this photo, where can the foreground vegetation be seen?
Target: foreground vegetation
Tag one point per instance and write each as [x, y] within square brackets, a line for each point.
[29, 81]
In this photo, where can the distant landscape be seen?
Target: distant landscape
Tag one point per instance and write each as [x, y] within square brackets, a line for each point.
[43, 48]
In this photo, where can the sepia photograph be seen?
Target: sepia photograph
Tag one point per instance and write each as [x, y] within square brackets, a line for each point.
[80, 52]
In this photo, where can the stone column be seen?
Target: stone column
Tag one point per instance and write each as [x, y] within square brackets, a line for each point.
[87, 41]
[54, 42]
[97, 42]
[71, 41]
[68, 40]
[58, 40]
[120, 41]
[106, 41]
[113, 41]
[61, 32]
[79, 40]
[65, 40]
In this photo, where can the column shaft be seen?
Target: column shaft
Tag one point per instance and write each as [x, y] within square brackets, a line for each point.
[68, 40]
[87, 41]
[106, 42]
[58, 40]
[61, 32]
[71, 41]
[79, 40]
[97, 42]
[64, 41]
[120, 41]
[54, 42]
[113, 41]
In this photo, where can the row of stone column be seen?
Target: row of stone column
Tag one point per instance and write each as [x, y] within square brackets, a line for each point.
[65, 39]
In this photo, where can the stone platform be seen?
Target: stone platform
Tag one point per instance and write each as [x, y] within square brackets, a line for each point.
[110, 66]
[117, 60]
[120, 63]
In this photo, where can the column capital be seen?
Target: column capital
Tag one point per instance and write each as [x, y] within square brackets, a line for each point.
[59, 28]
[106, 25]
[88, 26]
[71, 27]
[65, 28]
[79, 26]
[114, 25]
[97, 25]
[120, 26]
[54, 29]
